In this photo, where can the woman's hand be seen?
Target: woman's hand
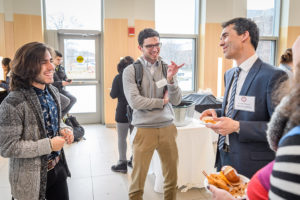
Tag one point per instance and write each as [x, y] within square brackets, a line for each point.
[219, 194]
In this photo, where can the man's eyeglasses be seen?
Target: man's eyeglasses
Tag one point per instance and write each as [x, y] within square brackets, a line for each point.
[151, 46]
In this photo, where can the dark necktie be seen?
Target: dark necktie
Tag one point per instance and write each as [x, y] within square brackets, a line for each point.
[231, 104]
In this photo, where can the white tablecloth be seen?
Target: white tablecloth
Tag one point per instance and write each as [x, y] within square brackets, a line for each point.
[196, 153]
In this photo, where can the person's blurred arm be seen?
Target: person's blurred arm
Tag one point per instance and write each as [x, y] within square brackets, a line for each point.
[57, 82]
[114, 93]
[220, 194]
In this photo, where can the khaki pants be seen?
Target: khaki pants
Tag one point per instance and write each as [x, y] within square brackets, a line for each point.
[144, 144]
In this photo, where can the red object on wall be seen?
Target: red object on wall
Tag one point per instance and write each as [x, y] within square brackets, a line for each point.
[131, 31]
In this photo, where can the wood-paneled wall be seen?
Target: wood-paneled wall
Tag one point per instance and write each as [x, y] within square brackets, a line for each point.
[288, 35]
[140, 25]
[7, 48]
[115, 47]
[27, 28]
[210, 51]
[2, 35]
[9, 39]
[13, 34]
[293, 33]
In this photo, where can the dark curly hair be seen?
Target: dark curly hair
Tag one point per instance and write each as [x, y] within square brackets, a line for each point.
[241, 25]
[124, 62]
[291, 88]
[6, 63]
[287, 56]
[146, 33]
[26, 64]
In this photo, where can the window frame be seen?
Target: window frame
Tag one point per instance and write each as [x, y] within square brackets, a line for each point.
[84, 117]
[195, 37]
[276, 32]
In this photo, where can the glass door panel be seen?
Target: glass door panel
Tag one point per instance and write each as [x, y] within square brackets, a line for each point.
[86, 98]
[80, 58]
[82, 64]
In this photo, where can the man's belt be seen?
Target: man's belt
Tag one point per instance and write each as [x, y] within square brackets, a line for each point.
[226, 148]
[53, 162]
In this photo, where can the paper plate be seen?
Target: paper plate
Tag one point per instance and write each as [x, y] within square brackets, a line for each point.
[243, 178]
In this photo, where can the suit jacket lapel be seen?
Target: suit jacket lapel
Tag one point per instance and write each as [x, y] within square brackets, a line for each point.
[229, 80]
[247, 83]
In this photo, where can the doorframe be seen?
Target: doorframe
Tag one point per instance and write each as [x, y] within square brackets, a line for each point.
[88, 118]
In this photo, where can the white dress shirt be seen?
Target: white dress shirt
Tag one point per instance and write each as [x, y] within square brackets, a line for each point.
[245, 68]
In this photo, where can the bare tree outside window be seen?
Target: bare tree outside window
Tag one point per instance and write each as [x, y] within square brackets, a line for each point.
[63, 14]
[179, 42]
[264, 16]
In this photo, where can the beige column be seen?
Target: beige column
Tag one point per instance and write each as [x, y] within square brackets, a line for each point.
[290, 25]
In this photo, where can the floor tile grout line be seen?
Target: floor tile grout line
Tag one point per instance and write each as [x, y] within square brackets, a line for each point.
[90, 157]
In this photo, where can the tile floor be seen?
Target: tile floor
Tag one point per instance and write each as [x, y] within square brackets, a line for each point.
[90, 161]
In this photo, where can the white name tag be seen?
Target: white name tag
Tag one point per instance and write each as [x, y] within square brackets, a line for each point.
[246, 103]
[161, 83]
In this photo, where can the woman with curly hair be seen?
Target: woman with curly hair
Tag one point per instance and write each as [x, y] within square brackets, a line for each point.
[286, 62]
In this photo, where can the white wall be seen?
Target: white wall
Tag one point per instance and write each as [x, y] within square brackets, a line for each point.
[130, 9]
[1, 6]
[294, 13]
[218, 11]
[8, 10]
[30, 7]
[144, 9]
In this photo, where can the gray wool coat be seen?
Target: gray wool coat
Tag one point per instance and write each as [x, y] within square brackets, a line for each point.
[279, 125]
[23, 139]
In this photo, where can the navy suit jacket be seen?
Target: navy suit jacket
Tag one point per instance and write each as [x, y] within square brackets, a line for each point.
[249, 149]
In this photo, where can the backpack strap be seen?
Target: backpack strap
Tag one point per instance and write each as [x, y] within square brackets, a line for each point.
[138, 69]
[294, 131]
[165, 72]
[164, 68]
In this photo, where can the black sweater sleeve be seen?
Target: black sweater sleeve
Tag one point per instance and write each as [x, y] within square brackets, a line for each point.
[114, 93]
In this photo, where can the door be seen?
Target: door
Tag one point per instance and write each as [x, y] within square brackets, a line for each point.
[81, 53]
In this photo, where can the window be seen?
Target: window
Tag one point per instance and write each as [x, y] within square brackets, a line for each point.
[179, 43]
[75, 14]
[180, 51]
[266, 16]
[74, 28]
[183, 13]
[80, 47]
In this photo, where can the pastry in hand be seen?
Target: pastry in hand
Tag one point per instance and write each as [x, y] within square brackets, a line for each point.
[208, 120]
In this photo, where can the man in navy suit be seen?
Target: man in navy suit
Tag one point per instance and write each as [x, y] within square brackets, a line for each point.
[247, 105]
